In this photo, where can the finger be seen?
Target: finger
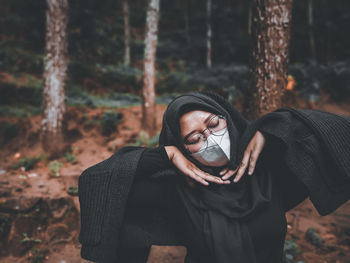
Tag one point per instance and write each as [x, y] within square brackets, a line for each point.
[208, 177]
[229, 174]
[252, 162]
[224, 171]
[243, 167]
[199, 179]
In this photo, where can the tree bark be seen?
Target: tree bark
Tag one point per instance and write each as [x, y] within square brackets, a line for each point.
[55, 74]
[269, 57]
[126, 32]
[187, 4]
[311, 34]
[148, 91]
[209, 33]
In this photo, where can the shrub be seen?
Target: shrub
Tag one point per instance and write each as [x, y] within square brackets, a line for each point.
[73, 190]
[289, 251]
[8, 130]
[313, 237]
[55, 168]
[109, 122]
[27, 163]
[70, 157]
[144, 140]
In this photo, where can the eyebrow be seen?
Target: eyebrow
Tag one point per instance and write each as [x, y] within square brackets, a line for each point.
[205, 121]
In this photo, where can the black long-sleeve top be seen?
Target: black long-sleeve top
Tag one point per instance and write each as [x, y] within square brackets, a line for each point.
[267, 228]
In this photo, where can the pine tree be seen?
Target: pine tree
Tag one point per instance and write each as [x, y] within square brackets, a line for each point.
[269, 57]
[55, 75]
[149, 79]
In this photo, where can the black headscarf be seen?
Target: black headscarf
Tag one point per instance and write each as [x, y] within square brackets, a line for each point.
[222, 208]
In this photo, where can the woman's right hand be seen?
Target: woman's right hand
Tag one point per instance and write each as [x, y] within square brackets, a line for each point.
[191, 171]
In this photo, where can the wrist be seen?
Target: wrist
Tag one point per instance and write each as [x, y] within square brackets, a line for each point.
[170, 150]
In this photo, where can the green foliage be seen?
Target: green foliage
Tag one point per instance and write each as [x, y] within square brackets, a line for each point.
[313, 237]
[73, 190]
[109, 122]
[77, 97]
[55, 168]
[120, 73]
[8, 130]
[70, 157]
[17, 58]
[289, 251]
[27, 163]
[230, 79]
[37, 255]
[143, 140]
[27, 239]
[21, 87]
[21, 111]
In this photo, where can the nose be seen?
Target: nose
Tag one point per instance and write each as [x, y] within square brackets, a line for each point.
[207, 133]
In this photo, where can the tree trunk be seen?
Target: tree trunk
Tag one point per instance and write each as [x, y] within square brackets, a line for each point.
[55, 62]
[311, 34]
[209, 33]
[187, 4]
[269, 57]
[126, 32]
[148, 91]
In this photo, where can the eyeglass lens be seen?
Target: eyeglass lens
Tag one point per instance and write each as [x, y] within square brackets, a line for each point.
[215, 125]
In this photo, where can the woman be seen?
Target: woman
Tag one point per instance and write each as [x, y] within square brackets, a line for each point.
[204, 138]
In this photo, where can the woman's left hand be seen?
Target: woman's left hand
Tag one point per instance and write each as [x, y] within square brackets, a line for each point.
[251, 155]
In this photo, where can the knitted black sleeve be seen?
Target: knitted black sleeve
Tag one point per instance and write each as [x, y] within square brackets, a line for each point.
[153, 160]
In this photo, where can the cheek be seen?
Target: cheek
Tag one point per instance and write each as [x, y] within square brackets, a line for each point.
[195, 147]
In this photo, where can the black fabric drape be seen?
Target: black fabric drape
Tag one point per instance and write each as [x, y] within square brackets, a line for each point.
[222, 208]
[314, 145]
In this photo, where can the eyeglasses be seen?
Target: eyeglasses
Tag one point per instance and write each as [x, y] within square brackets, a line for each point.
[215, 125]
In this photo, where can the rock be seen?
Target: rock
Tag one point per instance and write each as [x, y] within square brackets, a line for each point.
[31, 175]
[58, 207]
[58, 233]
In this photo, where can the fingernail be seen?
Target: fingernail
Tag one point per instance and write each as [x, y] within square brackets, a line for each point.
[235, 180]
[250, 172]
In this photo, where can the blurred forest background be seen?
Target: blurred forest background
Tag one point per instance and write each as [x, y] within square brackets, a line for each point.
[99, 88]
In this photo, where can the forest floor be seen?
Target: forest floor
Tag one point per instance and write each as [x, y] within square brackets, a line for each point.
[39, 212]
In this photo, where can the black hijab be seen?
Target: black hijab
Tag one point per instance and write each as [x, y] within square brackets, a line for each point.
[222, 208]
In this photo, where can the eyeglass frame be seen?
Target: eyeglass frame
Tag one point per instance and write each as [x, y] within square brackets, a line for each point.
[202, 132]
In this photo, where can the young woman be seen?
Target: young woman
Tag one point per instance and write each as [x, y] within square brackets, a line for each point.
[182, 192]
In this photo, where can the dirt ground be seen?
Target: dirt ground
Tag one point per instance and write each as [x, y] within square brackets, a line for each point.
[40, 218]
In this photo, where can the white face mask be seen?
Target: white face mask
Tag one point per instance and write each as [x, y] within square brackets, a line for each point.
[216, 152]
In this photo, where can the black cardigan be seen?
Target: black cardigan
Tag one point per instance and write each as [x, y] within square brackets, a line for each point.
[315, 146]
